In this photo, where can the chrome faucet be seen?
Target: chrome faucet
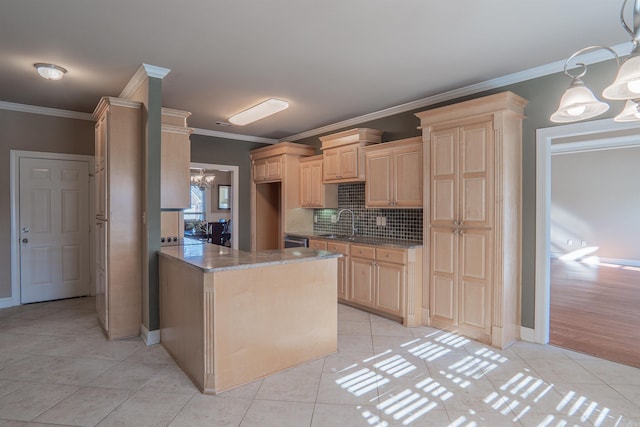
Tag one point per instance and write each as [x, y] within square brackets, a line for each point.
[353, 220]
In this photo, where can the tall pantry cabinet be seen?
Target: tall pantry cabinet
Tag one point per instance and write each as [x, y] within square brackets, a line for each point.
[118, 160]
[472, 219]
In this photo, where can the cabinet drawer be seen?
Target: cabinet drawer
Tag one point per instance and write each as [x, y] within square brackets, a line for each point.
[342, 248]
[391, 255]
[363, 251]
[318, 245]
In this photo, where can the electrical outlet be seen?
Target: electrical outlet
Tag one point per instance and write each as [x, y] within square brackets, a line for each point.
[383, 221]
[315, 218]
[378, 220]
[334, 218]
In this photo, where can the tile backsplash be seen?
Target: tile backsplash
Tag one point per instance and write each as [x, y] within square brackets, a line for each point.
[405, 224]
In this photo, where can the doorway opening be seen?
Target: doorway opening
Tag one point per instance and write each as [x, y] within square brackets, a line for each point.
[217, 207]
[569, 239]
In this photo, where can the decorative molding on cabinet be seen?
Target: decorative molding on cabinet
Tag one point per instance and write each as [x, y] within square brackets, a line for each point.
[149, 337]
[45, 111]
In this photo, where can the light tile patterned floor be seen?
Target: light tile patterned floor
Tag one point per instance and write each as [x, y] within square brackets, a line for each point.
[56, 368]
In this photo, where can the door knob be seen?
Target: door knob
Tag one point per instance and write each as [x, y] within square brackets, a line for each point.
[25, 240]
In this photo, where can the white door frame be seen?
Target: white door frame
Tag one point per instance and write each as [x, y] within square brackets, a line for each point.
[235, 188]
[594, 135]
[15, 156]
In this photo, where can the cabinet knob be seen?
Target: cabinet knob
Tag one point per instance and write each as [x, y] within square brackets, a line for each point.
[455, 222]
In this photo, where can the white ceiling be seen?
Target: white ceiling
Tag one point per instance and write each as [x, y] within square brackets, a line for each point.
[331, 59]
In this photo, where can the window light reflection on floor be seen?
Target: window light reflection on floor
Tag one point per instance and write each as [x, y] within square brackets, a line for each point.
[376, 379]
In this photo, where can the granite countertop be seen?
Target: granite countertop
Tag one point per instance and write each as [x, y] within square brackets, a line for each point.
[365, 240]
[210, 258]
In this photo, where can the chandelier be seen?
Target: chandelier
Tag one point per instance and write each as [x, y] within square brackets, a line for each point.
[579, 103]
[201, 180]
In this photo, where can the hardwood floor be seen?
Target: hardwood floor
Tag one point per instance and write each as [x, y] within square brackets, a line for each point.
[595, 309]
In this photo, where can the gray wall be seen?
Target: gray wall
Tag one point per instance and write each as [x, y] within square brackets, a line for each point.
[32, 132]
[220, 151]
[595, 197]
[543, 94]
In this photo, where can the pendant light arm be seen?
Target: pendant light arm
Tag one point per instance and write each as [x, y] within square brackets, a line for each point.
[582, 64]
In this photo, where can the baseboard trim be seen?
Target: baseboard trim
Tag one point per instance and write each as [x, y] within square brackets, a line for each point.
[149, 337]
[527, 334]
[6, 302]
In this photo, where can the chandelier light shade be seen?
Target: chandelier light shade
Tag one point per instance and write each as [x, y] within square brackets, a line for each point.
[579, 103]
[630, 113]
[50, 71]
[259, 111]
[201, 180]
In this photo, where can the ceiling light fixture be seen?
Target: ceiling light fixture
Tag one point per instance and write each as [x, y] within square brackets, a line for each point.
[50, 71]
[201, 180]
[579, 103]
[260, 111]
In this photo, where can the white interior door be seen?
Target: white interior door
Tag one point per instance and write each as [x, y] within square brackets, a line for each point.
[54, 229]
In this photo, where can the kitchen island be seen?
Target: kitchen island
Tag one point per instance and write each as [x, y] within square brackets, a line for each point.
[229, 317]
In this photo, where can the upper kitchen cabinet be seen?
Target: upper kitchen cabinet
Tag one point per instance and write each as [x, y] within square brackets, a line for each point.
[343, 158]
[394, 174]
[175, 160]
[314, 193]
[275, 194]
[473, 178]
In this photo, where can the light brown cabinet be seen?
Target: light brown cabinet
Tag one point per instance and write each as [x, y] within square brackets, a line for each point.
[175, 160]
[268, 170]
[387, 281]
[343, 158]
[343, 268]
[473, 152]
[314, 193]
[319, 245]
[118, 148]
[394, 174]
[275, 194]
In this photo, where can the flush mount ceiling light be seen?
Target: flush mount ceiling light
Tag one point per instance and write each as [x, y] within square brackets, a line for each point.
[579, 103]
[50, 71]
[260, 111]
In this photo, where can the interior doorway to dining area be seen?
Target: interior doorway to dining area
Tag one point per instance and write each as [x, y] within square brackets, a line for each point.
[213, 213]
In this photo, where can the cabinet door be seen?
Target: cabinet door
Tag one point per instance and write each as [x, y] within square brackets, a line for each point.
[407, 167]
[390, 279]
[443, 260]
[316, 186]
[348, 162]
[475, 175]
[306, 185]
[379, 184]
[259, 170]
[330, 164]
[343, 278]
[101, 273]
[274, 168]
[174, 172]
[444, 192]
[362, 281]
[474, 288]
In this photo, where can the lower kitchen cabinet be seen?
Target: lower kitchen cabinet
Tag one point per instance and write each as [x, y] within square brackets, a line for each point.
[343, 268]
[388, 281]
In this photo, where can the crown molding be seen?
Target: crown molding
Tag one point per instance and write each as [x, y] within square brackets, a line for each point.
[142, 73]
[46, 111]
[530, 74]
[237, 136]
